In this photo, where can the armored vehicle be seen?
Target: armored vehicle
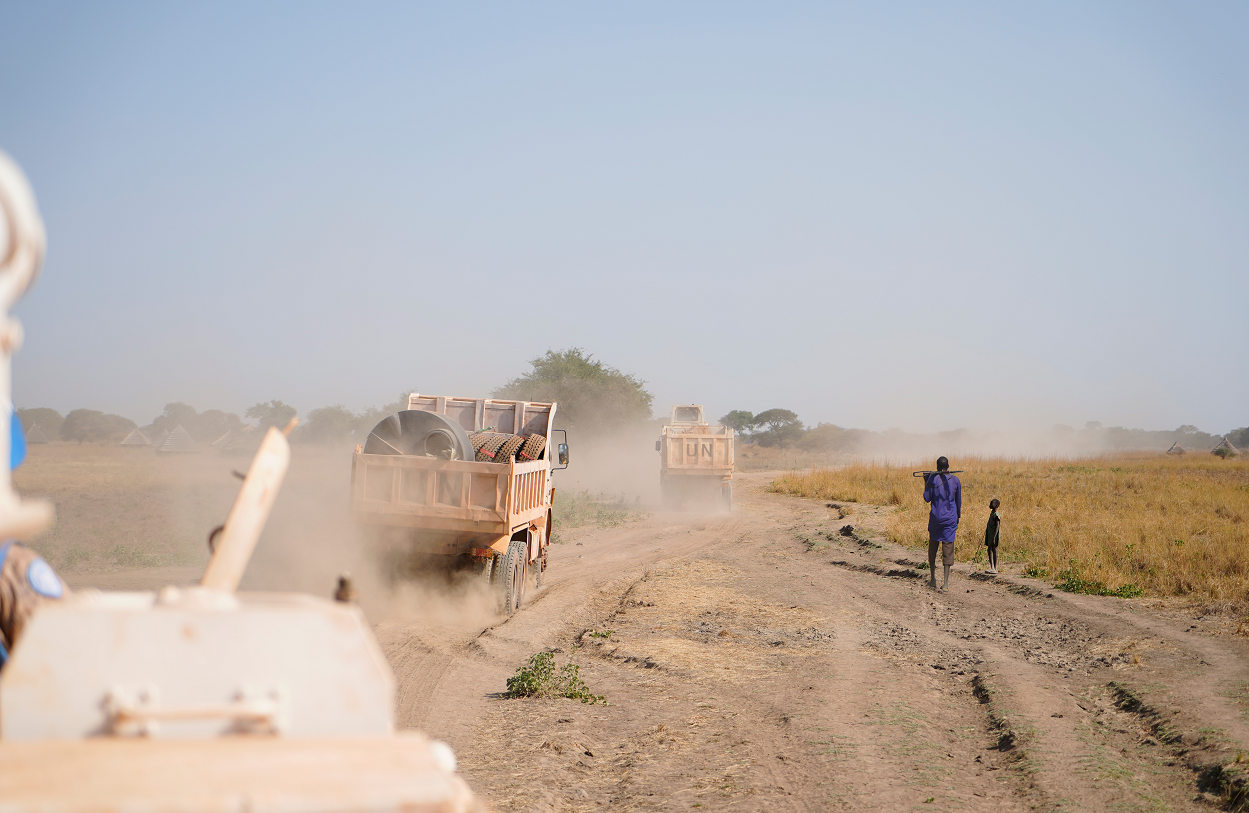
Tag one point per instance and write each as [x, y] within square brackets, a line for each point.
[194, 699]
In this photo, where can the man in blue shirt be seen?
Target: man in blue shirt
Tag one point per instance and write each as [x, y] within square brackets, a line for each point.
[944, 493]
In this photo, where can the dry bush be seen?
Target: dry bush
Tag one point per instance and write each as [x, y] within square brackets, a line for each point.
[1126, 525]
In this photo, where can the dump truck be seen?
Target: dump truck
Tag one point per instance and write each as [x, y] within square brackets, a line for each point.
[463, 483]
[695, 460]
[198, 698]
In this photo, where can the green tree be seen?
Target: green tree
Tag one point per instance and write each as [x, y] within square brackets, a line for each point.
[211, 424]
[591, 395]
[331, 424]
[739, 420]
[175, 415]
[781, 427]
[273, 413]
[204, 427]
[93, 426]
[827, 437]
[49, 420]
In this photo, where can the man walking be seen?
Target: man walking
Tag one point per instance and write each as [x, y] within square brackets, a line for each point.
[944, 493]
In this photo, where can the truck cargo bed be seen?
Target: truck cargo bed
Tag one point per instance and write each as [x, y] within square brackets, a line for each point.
[448, 495]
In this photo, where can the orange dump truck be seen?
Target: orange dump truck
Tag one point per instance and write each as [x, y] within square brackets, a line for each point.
[695, 460]
[465, 483]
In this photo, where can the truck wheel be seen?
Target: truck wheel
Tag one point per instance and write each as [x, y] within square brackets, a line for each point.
[514, 575]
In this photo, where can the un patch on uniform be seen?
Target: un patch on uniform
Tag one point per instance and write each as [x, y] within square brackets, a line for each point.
[43, 580]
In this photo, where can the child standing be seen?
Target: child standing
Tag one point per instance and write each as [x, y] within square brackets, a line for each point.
[993, 533]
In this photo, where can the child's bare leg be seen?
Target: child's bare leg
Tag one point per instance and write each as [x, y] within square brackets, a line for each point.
[993, 558]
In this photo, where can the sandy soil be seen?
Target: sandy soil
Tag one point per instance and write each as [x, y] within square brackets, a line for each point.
[763, 660]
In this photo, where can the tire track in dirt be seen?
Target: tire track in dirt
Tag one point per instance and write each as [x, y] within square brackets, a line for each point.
[445, 672]
[746, 671]
[1053, 668]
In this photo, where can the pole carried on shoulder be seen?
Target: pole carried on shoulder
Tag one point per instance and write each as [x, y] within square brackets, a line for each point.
[926, 474]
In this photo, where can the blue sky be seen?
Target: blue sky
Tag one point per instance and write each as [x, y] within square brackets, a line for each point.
[911, 215]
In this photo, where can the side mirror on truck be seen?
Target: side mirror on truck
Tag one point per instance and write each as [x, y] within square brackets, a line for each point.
[561, 451]
[659, 446]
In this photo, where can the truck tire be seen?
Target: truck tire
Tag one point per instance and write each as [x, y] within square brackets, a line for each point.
[491, 442]
[509, 448]
[533, 448]
[514, 575]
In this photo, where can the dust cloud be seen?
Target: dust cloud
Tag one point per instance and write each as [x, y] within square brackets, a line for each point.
[311, 540]
[1056, 442]
[620, 463]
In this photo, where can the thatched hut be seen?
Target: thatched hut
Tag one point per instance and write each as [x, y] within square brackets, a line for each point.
[35, 435]
[136, 440]
[179, 441]
[1225, 449]
[1176, 448]
[245, 441]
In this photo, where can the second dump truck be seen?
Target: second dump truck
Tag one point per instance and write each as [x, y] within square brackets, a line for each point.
[464, 483]
[695, 460]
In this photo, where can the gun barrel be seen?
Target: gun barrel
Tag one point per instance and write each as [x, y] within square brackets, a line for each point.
[926, 473]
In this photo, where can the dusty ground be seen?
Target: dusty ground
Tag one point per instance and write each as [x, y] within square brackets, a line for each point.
[754, 663]
[761, 660]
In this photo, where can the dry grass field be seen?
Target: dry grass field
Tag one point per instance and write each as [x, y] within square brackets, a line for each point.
[1128, 525]
[126, 508]
[130, 509]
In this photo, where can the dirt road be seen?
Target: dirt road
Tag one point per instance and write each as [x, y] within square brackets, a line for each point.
[764, 661]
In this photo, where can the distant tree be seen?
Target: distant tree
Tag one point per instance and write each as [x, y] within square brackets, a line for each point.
[331, 424]
[781, 427]
[1239, 438]
[204, 427]
[273, 413]
[80, 425]
[827, 437]
[49, 420]
[94, 426]
[591, 395]
[739, 420]
[175, 415]
[1187, 429]
[212, 424]
[1093, 426]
